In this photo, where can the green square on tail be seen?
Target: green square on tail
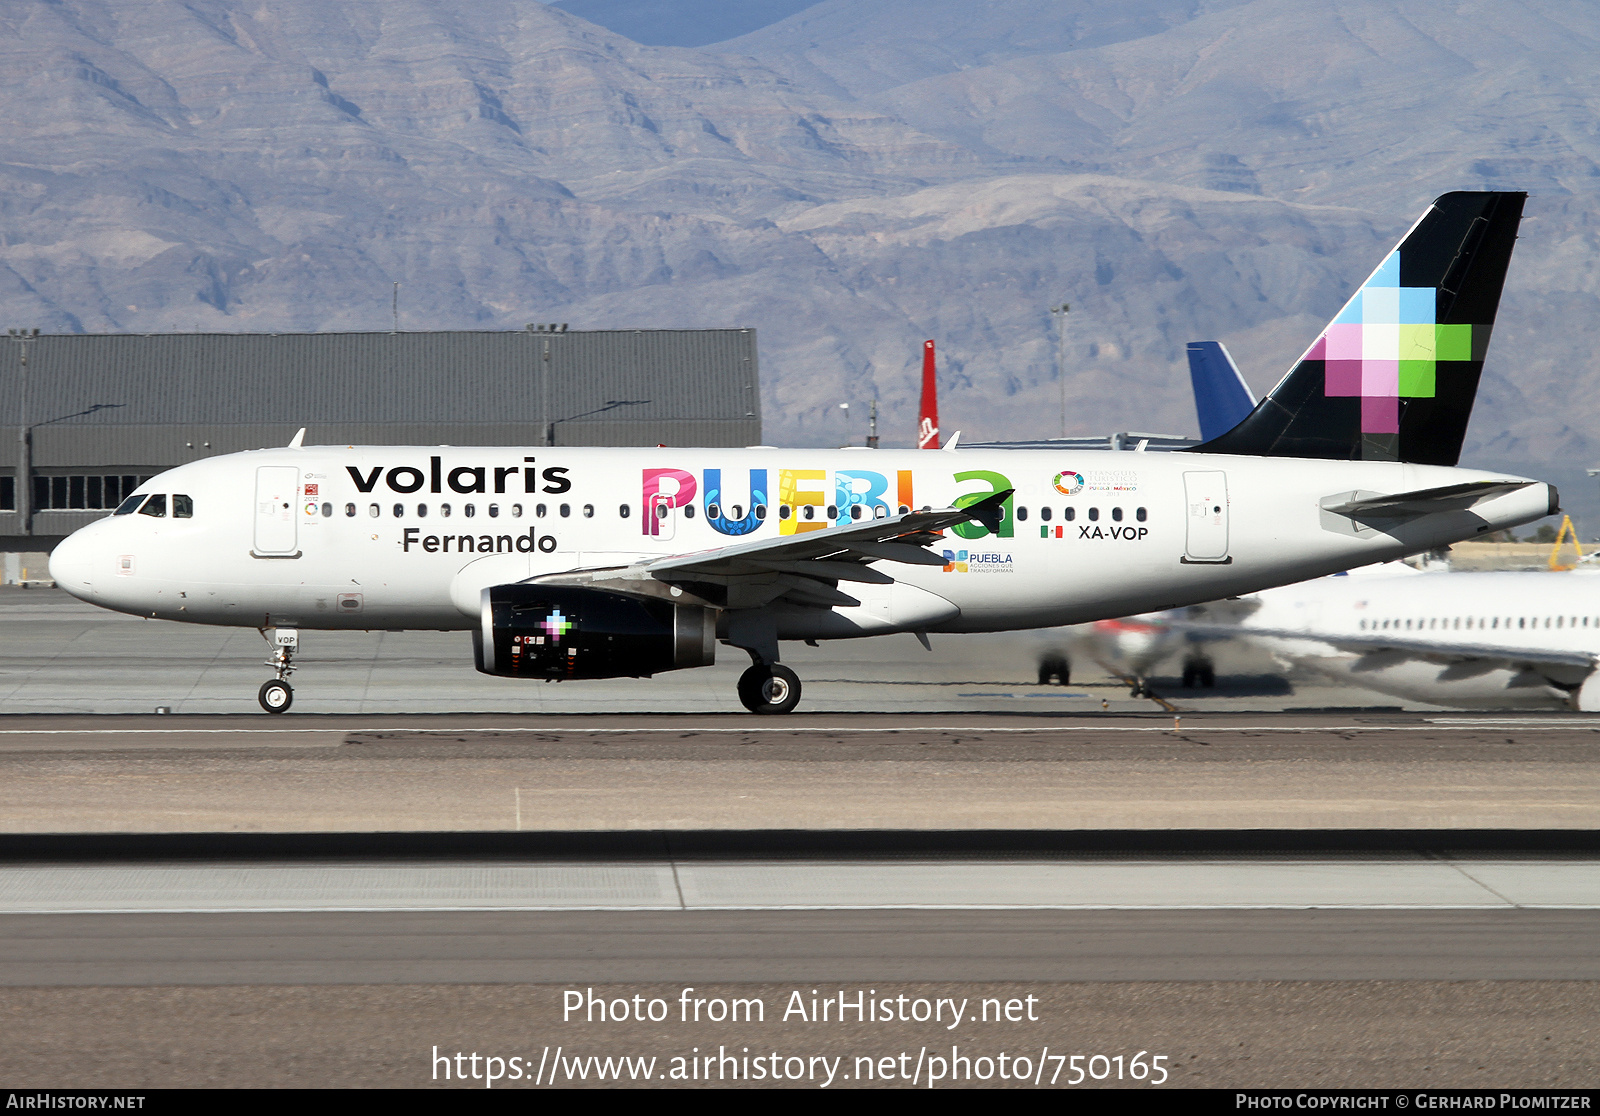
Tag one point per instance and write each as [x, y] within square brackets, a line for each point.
[1454, 342]
[1416, 379]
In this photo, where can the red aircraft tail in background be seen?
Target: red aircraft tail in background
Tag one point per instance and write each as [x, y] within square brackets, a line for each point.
[928, 423]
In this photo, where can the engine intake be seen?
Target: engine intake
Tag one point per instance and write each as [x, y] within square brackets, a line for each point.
[560, 631]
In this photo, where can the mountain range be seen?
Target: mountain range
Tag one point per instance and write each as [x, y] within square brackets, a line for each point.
[847, 177]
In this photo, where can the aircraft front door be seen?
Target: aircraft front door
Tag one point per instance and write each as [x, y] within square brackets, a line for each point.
[1206, 500]
[277, 488]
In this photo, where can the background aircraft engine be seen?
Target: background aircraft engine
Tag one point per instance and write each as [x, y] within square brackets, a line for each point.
[557, 631]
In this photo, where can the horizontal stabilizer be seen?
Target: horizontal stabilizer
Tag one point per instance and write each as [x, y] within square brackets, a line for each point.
[1423, 501]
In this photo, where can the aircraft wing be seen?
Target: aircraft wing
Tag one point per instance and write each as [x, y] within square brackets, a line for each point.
[1432, 650]
[802, 568]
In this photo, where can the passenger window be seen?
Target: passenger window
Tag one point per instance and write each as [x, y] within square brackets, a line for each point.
[327, 509]
[374, 511]
[183, 507]
[129, 506]
[350, 511]
[469, 510]
[422, 511]
[1116, 514]
[808, 511]
[833, 511]
[1139, 515]
[516, 511]
[1070, 514]
[783, 511]
[1044, 514]
[688, 511]
[1022, 515]
[566, 510]
[1094, 515]
[904, 510]
[539, 511]
[444, 510]
[588, 511]
[494, 511]
[624, 511]
[399, 510]
[156, 505]
[856, 510]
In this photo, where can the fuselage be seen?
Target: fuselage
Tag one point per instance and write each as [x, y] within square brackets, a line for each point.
[1452, 615]
[406, 537]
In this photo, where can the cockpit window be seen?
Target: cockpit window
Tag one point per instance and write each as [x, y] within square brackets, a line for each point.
[156, 505]
[182, 507]
[130, 505]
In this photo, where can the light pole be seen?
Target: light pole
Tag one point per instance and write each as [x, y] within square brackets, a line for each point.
[24, 485]
[1060, 315]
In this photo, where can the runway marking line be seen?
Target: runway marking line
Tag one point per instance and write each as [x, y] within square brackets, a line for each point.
[1555, 726]
[669, 907]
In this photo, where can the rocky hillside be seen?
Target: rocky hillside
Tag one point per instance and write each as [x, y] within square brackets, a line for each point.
[849, 180]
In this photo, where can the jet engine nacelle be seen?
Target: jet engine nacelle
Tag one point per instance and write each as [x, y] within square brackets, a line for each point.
[561, 631]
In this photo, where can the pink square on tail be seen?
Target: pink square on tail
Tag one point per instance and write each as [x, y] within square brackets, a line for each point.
[1344, 342]
[1319, 351]
[1341, 377]
[1380, 415]
[1380, 377]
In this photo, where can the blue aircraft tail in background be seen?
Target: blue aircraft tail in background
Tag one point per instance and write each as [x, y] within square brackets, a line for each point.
[1221, 397]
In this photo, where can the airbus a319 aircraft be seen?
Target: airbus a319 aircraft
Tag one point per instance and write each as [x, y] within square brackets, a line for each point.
[599, 563]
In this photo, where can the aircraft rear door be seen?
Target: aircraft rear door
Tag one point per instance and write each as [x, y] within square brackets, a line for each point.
[277, 489]
[1206, 502]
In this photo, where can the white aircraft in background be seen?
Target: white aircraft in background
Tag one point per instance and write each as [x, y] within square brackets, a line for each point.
[596, 563]
[1471, 640]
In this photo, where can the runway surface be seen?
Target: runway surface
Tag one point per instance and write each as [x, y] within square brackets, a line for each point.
[821, 771]
[432, 947]
[1416, 882]
[59, 655]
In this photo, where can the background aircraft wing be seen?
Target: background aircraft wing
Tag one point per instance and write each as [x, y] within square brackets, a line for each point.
[1414, 647]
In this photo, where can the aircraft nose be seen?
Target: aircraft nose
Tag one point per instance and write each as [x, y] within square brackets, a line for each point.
[71, 565]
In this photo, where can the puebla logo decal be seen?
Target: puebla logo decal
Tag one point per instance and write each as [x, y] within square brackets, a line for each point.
[1069, 484]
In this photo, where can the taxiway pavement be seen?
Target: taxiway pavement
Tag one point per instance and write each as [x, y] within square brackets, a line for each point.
[818, 771]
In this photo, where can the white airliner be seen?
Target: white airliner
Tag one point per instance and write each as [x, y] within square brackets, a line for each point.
[594, 563]
[1470, 640]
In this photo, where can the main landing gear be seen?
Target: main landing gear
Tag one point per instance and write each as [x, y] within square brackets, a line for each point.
[1052, 667]
[769, 688]
[1199, 671]
[277, 695]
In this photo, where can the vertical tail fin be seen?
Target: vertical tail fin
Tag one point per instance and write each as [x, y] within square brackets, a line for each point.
[1221, 397]
[1394, 376]
[928, 421]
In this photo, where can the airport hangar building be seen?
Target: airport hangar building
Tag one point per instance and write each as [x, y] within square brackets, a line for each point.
[87, 417]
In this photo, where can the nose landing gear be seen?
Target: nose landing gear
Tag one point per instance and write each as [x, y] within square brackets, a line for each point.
[277, 695]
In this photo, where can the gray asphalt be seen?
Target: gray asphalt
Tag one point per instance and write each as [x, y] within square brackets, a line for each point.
[699, 946]
[819, 771]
